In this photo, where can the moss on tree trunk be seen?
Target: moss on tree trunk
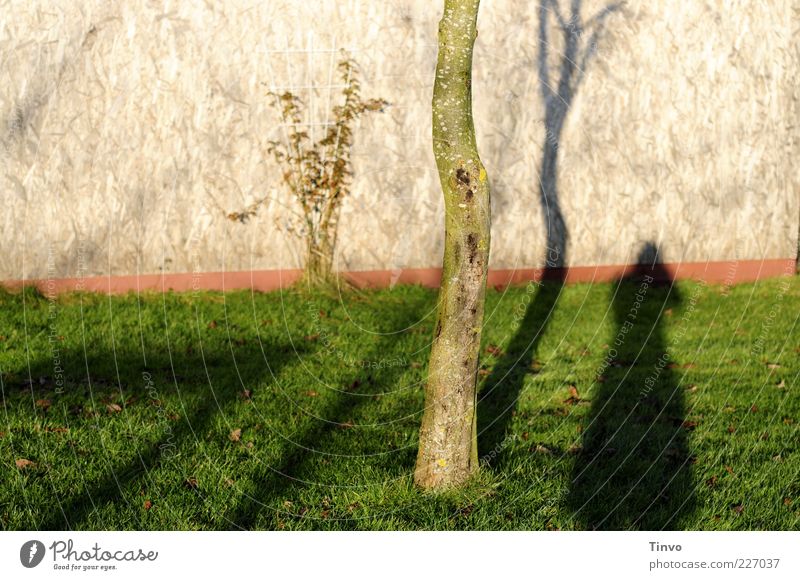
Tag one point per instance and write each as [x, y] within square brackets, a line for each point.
[448, 447]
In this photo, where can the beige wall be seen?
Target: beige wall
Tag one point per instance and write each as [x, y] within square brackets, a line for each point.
[123, 147]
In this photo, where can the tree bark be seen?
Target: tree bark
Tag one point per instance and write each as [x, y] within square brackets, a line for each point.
[448, 447]
[318, 270]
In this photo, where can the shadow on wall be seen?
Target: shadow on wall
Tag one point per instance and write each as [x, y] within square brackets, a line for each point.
[578, 52]
[502, 388]
[634, 470]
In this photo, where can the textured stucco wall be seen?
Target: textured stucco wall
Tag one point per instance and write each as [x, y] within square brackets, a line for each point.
[129, 129]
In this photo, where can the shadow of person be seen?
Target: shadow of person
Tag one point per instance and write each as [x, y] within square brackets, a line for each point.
[501, 390]
[634, 467]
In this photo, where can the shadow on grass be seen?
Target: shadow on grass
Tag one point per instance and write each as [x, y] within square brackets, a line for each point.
[218, 379]
[634, 470]
[502, 388]
[219, 376]
[319, 439]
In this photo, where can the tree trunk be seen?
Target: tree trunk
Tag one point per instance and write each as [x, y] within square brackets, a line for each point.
[318, 269]
[448, 447]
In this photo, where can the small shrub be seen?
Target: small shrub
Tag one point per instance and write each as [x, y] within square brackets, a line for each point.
[318, 173]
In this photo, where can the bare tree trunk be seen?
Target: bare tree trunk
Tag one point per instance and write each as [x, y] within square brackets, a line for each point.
[318, 269]
[448, 447]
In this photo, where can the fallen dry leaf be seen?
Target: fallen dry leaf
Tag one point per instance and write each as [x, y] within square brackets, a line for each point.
[212, 324]
[44, 403]
[190, 483]
[690, 425]
[113, 408]
[738, 508]
[246, 394]
[674, 365]
[494, 350]
[148, 504]
[235, 435]
[729, 469]
[574, 397]
[24, 463]
[312, 337]
[311, 393]
[712, 481]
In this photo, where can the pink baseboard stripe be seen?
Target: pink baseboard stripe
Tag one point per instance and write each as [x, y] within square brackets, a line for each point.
[723, 272]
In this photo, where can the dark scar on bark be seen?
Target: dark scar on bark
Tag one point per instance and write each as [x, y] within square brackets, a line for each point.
[472, 245]
[438, 328]
[462, 176]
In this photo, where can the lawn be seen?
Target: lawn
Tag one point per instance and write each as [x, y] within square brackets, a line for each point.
[611, 406]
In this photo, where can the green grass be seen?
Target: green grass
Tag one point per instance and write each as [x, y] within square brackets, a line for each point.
[327, 393]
